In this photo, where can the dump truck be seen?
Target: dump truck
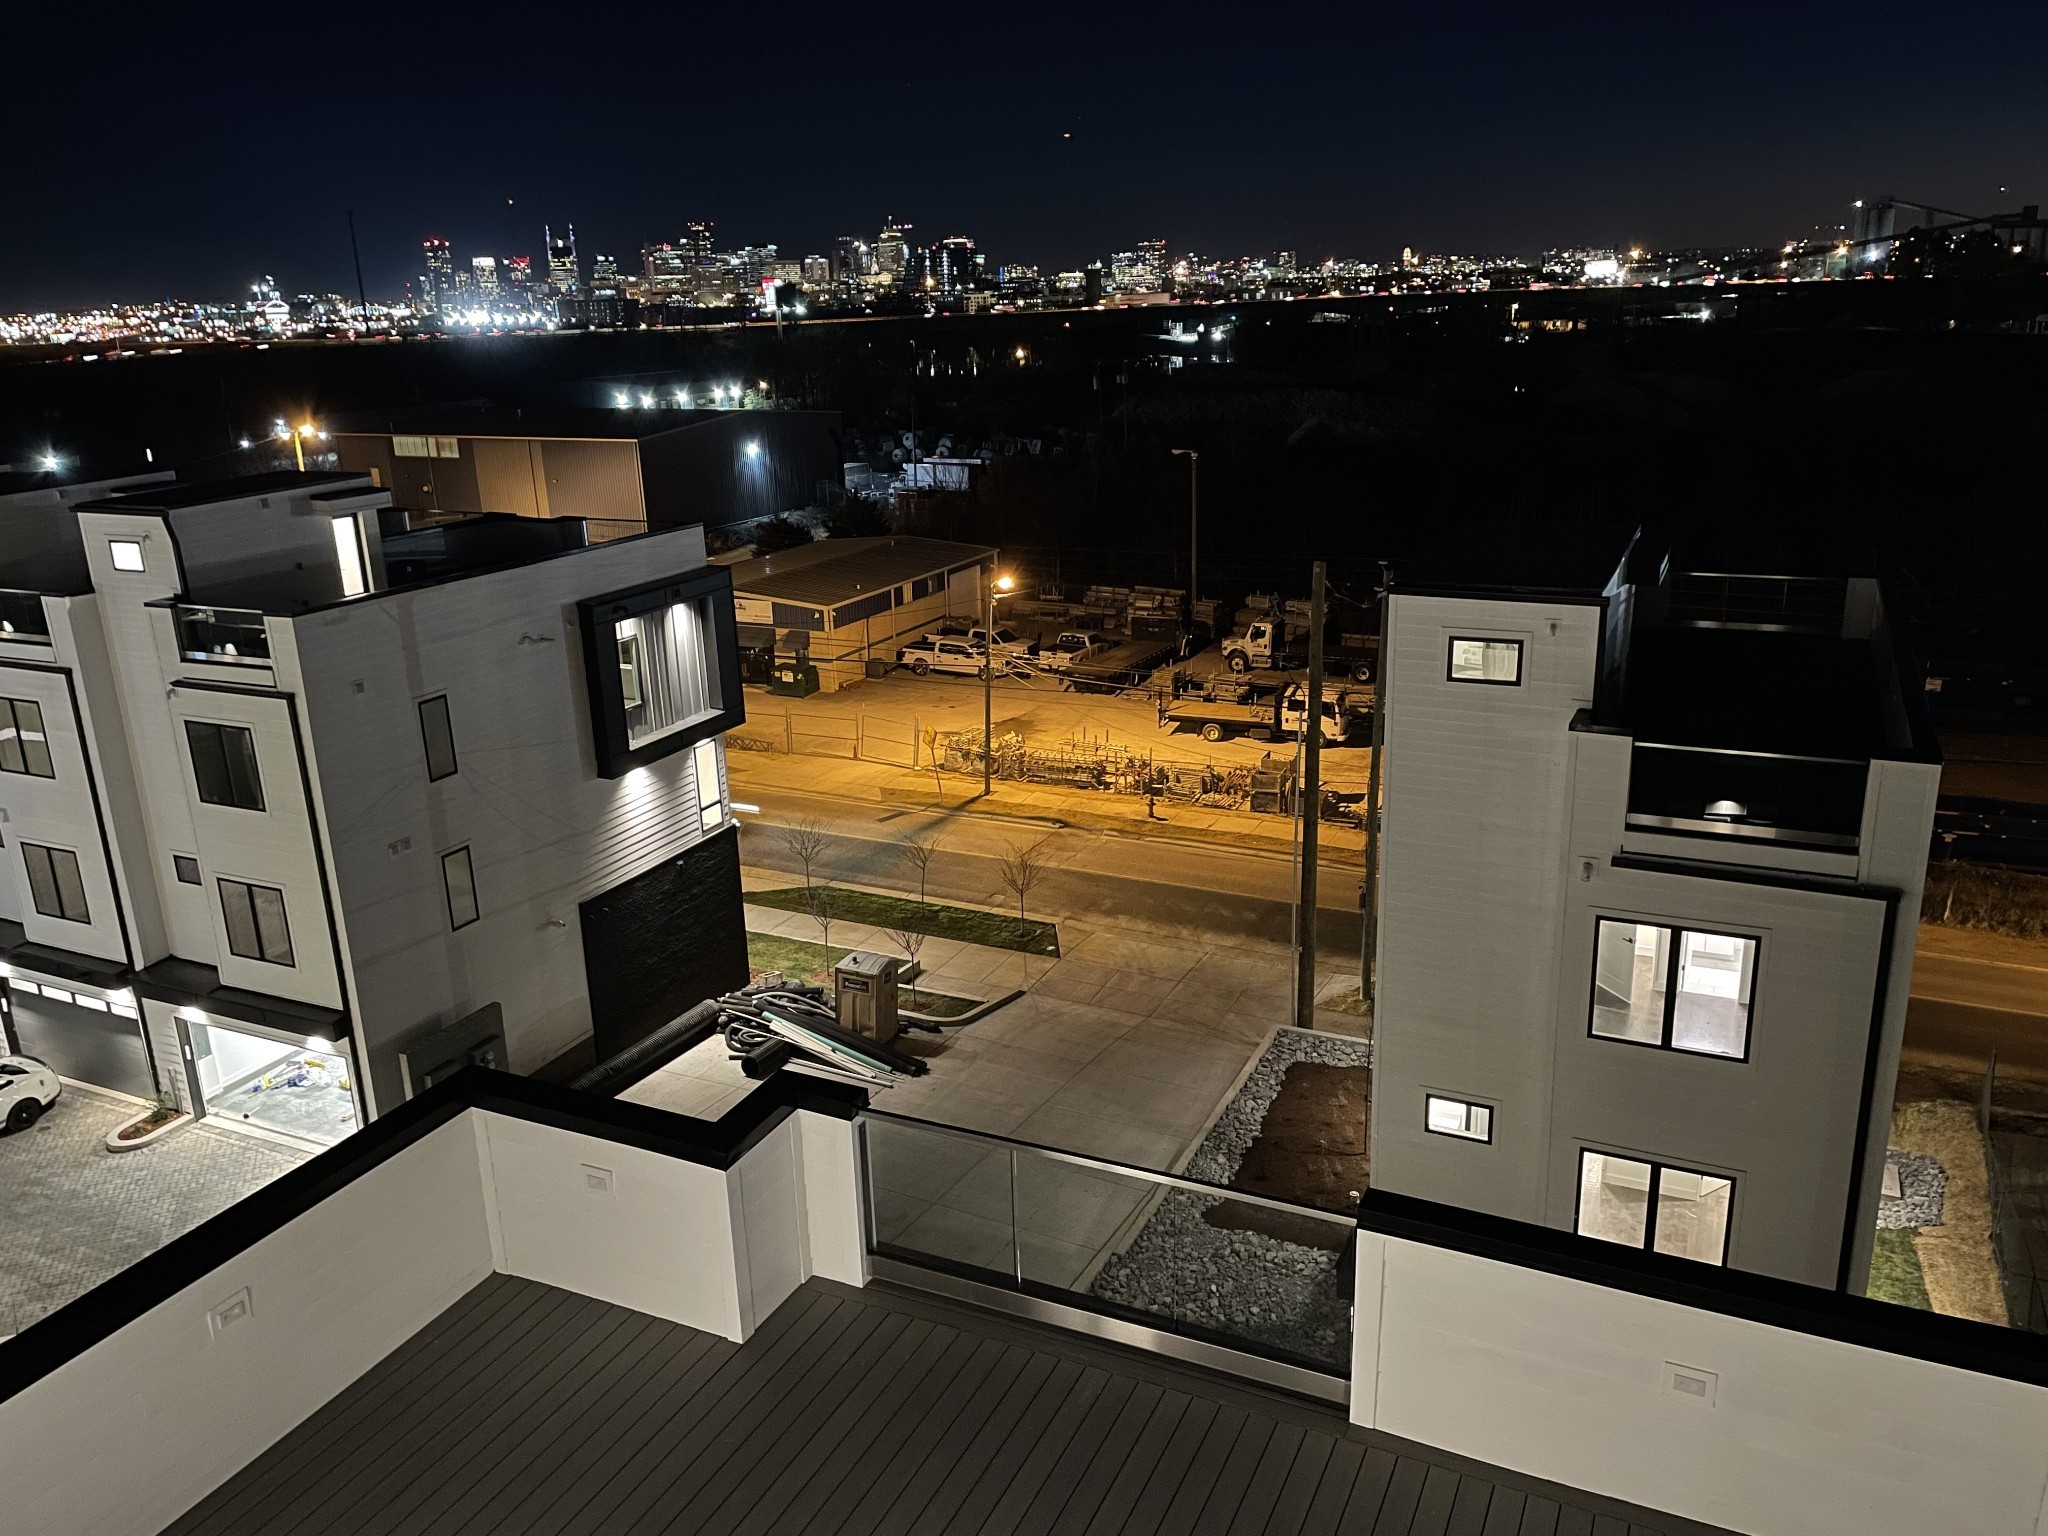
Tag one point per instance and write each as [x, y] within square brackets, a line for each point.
[1278, 644]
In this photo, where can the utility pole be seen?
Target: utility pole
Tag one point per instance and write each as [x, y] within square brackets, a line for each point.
[1368, 952]
[1310, 809]
[362, 298]
[1194, 458]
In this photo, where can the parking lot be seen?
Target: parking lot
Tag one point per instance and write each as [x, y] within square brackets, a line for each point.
[73, 1214]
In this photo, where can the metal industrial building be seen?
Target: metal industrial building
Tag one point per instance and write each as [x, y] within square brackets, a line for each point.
[663, 466]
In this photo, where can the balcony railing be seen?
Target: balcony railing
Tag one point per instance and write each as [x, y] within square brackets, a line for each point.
[235, 636]
[1236, 1271]
[22, 617]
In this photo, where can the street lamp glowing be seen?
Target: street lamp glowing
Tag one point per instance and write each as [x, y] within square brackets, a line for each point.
[753, 450]
[1005, 583]
[51, 463]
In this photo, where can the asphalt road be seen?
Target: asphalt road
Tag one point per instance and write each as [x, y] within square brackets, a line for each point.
[1104, 876]
[1964, 1007]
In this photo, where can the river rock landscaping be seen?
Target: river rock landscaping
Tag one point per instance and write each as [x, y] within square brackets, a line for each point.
[1207, 1262]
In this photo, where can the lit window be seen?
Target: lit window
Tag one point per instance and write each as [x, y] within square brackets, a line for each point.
[1458, 1117]
[256, 922]
[710, 784]
[54, 882]
[24, 745]
[348, 555]
[1485, 661]
[126, 553]
[458, 879]
[1679, 989]
[90, 1003]
[1649, 1205]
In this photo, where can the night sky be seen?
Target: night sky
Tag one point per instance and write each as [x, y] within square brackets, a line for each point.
[190, 156]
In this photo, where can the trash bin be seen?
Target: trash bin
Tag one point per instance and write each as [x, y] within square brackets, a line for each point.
[793, 679]
[864, 989]
[878, 666]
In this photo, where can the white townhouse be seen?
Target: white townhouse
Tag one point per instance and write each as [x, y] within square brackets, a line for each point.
[1655, 835]
[301, 805]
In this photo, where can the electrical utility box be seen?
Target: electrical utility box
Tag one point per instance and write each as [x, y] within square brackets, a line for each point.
[864, 987]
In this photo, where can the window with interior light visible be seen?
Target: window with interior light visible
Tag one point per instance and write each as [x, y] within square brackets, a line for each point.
[1444, 1116]
[1475, 660]
[126, 554]
[1673, 988]
[710, 785]
[24, 745]
[55, 883]
[662, 666]
[255, 919]
[1654, 1206]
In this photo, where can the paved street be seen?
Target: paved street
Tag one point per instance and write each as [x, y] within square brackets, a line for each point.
[73, 1214]
[1975, 992]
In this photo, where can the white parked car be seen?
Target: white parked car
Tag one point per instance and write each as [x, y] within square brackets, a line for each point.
[27, 1088]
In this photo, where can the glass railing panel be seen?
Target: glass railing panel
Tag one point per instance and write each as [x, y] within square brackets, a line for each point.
[940, 1196]
[228, 635]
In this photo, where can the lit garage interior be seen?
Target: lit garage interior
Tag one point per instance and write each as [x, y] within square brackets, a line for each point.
[292, 1087]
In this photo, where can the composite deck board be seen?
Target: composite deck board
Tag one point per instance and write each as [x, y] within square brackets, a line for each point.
[1290, 1504]
[1333, 1489]
[1433, 1509]
[522, 1410]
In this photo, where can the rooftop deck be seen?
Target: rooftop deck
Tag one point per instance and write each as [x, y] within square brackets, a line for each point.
[529, 1409]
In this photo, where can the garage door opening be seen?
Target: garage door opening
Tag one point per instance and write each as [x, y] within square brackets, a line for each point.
[82, 1034]
[284, 1086]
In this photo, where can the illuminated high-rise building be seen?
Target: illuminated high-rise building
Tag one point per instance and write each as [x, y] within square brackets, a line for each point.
[697, 239]
[564, 275]
[483, 277]
[892, 250]
[604, 272]
[519, 273]
[853, 260]
[437, 287]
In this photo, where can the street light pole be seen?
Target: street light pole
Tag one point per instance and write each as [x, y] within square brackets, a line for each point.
[1194, 458]
[994, 585]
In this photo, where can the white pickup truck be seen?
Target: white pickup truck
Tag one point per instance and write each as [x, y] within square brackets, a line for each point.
[953, 654]
[1070, 647]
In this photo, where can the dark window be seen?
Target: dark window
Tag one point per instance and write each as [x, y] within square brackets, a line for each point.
[1474, 660]
[55, 883]
[925, 586]
[439, 735]
[458, 878]
[224, 765]
[1678, 989]
[187, 868]
[24, 748]
[255, 918]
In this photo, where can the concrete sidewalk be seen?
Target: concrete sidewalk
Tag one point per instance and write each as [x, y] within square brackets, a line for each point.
[849, 779]
[1124, 1047]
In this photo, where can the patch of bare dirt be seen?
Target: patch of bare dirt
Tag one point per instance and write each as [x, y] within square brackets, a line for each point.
[1310, 1150]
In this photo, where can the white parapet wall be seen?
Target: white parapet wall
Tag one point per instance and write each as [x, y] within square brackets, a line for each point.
[134, 1429]
[1713, 1417]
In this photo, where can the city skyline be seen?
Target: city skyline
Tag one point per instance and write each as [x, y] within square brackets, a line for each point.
[1373, 134]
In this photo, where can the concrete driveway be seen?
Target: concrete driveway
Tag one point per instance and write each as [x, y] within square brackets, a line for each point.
[73, 1214]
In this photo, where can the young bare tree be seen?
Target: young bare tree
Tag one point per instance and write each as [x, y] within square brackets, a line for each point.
[818, 902]
[803, 840]
[917, 852]
[1021, 870]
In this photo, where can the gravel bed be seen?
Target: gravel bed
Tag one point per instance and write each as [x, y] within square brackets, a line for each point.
[1286, 1296]
[1922, 1183]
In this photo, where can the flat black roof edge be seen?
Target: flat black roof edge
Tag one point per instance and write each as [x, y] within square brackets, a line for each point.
[2009, 1353]
[48, 1345]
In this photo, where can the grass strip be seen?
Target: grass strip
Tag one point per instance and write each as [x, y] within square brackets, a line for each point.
[1895, 1270]
[800, 960]
[996, 930]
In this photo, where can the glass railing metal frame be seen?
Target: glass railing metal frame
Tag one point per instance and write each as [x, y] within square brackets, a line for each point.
[1018, 1292]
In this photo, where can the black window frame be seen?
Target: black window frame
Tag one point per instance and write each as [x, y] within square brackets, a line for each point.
[249, 887]
[11, 708]
[1657, 1171]
[51, 853]
[427, 740]
[598, 619]
[476, 908]
[1671, 962]
[193, 731]
[1492, 1114]
[1521, 655]
[179, 861]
